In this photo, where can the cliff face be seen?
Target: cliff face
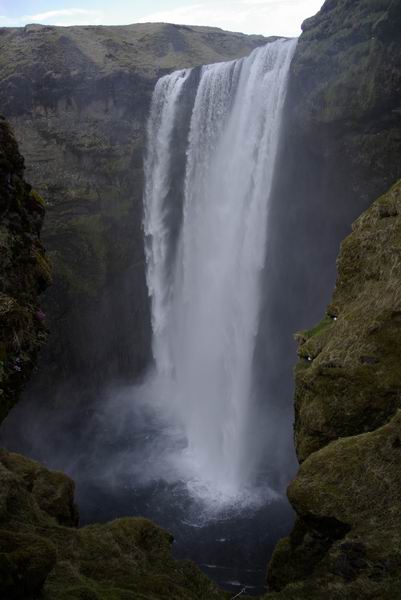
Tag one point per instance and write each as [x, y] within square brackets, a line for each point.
[78, 98]
[24, 272]
[345, 88]
[346, 542]
[340, 150]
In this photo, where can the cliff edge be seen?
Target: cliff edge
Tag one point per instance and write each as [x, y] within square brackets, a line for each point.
[347, 495]
[24, 272]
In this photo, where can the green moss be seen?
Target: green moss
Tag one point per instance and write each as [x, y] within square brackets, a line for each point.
[24, 272]
[25, 562]
[36, 197]
[43, 267]
[347, 495]
[319, 328]
[126, 559]
[347, 378]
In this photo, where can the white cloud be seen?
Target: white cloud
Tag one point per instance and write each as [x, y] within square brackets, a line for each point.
[268, 17]
[68, 16]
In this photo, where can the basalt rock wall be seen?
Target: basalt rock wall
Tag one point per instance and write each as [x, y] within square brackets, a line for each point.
[24, 272]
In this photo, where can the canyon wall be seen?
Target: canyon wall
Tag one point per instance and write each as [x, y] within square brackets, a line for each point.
[25, 272]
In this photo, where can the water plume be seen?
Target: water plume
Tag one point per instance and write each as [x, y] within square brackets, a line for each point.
[206, 248]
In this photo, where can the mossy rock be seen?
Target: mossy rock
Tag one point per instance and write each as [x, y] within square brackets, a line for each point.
[24, 272]
[43, 553]
[25, 562]
[346, 543]
[347, 380]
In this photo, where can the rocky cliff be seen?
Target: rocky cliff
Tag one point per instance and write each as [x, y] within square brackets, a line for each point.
[341, 140]
[24, 272]
[346, 541]
[340, 150]
[78, 99]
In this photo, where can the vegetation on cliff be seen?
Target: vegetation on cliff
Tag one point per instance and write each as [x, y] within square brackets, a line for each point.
[24, 272]
[43, 554]
[347, 539]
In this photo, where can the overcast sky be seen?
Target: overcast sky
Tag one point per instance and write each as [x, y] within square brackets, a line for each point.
[268, 17]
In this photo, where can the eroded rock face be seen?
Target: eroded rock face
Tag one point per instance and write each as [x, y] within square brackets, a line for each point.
[347, 75]
[347, 495]
[78, 98]
[24, 272]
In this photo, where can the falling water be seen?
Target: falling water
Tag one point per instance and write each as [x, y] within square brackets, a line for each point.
[206, 248]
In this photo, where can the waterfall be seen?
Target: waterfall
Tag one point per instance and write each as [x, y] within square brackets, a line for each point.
[205, 243]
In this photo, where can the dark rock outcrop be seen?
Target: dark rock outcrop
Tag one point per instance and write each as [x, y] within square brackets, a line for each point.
[43, 554]
[24, 272]
[78, 98]
[347, 495]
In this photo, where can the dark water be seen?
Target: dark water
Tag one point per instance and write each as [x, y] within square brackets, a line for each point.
[233, 550]
[116, 458]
